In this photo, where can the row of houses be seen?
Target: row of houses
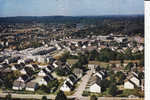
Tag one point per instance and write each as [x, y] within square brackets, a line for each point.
[94, 83]
[133, 81]
[32, 76]
[25, 80]
[44, 76]
[69, 83]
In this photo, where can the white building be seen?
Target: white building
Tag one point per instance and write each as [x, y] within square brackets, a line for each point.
[135, 80]
[43, 72]
[23, 71]
[18, 85]
[67, 87]
[99, 74]
[31, 86]
[95, 84]
[95, 88]
[129, 84]
[44, 80]
[132, 82]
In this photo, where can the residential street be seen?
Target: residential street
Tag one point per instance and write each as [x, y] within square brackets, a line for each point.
[83, 84]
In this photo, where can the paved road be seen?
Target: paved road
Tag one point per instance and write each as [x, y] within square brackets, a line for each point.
[83, 84]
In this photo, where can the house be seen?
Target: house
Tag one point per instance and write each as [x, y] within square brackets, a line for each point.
[72, 79]
[142, 84]
[23, 78]
[43, 72]
[22, 64]
[57, 63]
[35, 67]
[50, 68]
[41, 59]
[135, 80]
[21, 61]
[59, 47]
[92, 66]
[45, 80]
[66, 67]
[95, 84]
[31, 86]
[12, 60]
[27, 70]
[23, 71]
[128, 84]
[4, 65]
[100, 75]
[16, 67]
[2, 58]
[131, 82]
[67, 87]
[42, 66]
[1, 66]
[78, 72]
[28, 61]
[18, 85]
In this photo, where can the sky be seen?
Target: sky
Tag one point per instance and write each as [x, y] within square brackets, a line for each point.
[70, 7]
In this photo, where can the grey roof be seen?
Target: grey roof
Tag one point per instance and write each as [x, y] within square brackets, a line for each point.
[47, 78]
[69, 85]
[31, 84]
[95, 79]
[25, 77]
[73, 78]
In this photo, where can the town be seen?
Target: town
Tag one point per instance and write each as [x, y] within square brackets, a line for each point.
[73, 59]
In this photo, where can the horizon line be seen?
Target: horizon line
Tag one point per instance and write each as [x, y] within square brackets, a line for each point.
[77, 15]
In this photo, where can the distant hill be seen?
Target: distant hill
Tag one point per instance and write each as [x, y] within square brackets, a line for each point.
[65, 19]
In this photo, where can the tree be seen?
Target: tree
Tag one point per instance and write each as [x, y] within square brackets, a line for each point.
[62, 71]
[65, 56]
[83, 59]
[93, 55]
[16, 74]
[106, 55]
[141, 75]
[44, 88]
[112, 90]
[120, 77]
[44, 98]
[61, 96]
[104, 84]
[142, 62]
[129, 66]
[93, 97]
[77, 65]
[52, 84]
